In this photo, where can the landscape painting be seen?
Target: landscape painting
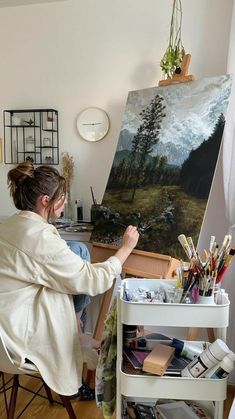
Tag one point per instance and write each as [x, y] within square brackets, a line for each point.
[164, 164]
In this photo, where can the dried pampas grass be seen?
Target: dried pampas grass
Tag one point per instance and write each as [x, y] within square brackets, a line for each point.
[67, 172]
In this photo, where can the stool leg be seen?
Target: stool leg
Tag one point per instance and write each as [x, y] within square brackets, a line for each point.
[192, 333]
[3, 389]
[68, 406]
[89, 377]
[211, 334]
[14, 392]
[48, 392]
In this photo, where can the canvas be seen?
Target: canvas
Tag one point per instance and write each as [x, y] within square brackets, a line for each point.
[164, 164]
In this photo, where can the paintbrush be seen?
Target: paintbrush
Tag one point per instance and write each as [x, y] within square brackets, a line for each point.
[225, 245]
[225, 266]
[224, 250]
[192, 247]
[212, 244]
[183, 241]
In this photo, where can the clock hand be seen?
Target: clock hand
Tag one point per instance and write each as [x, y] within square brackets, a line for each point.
[93, 123]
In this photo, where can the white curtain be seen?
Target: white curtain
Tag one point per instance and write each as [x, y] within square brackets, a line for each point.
[220, 213]
[229, 136]
[229, 186]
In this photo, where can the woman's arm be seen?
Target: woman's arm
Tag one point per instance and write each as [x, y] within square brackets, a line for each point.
[129, 241]
[68, 273]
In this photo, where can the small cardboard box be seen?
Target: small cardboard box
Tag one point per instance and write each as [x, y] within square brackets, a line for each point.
[159, 359]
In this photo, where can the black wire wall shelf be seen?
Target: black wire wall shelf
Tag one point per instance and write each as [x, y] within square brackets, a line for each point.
[31, 134]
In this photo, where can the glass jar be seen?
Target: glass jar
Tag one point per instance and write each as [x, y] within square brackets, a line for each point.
[29, 144]
[49, 160]
[47, 141]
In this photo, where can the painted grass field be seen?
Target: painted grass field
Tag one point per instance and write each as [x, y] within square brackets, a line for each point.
[161, 212]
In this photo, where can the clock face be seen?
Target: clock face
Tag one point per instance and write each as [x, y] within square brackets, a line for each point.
[93, 124]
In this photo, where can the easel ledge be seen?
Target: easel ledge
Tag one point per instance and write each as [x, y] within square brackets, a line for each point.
[140, 263]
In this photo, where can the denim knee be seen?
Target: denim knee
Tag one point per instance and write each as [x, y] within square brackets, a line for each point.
[79, 249]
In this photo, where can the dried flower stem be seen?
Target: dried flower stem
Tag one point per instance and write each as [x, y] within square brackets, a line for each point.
[67, 172]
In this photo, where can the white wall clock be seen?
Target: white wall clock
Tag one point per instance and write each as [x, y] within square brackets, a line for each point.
[93, 124]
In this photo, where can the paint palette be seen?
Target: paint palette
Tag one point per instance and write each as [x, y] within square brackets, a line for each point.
[79, 227]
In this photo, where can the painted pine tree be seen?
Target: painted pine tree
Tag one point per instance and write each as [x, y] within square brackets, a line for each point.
[146, 137]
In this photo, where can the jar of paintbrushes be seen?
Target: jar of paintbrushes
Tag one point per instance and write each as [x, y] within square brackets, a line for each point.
[200, 277]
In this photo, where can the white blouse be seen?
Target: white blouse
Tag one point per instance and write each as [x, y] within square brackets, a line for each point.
[38, 276]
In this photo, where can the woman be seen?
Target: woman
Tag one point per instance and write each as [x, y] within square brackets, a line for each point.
[39, 275]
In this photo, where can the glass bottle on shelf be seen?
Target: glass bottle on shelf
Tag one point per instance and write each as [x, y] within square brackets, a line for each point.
[49, 160]
[29, 143]
[46, 141]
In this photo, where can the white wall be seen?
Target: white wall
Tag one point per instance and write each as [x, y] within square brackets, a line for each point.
[12, 3]
[79, 53]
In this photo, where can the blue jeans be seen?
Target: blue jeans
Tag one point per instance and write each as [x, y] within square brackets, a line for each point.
[81, 300]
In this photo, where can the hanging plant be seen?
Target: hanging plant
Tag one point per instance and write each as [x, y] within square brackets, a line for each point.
[172, 59]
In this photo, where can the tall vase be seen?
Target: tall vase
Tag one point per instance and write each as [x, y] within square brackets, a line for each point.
[68, 209]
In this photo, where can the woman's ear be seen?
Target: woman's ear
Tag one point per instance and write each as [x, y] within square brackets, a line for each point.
[42, 207]
[44, 200]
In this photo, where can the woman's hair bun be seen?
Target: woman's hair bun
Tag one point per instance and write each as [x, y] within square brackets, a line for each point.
[17, 175]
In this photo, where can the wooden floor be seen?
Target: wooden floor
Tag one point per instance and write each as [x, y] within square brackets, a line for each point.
[40, 408]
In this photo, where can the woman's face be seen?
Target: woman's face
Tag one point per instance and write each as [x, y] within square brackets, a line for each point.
[59, 205]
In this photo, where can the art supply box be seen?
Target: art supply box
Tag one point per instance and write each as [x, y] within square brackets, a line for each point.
[158, 359]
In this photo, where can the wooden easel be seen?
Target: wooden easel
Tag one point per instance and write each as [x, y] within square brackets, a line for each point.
[183, 77]
[139, 263]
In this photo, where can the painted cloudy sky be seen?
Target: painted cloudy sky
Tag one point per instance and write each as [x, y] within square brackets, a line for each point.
[192, 110]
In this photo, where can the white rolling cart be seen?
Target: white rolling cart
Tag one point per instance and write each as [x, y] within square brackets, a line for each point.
[152, 387]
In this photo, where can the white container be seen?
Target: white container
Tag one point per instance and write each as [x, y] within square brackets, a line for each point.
[206, 299]
[187, 349]
[223, 368]
[206, 360]
[184, 388]
[171, 314]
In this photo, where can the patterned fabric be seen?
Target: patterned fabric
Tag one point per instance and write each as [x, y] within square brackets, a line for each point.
[106, 368]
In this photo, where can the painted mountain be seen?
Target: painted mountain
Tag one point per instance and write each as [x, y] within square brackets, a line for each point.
[164, 164]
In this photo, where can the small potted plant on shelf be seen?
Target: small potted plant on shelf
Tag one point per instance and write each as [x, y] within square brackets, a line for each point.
[173, 56]
[50, 122]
